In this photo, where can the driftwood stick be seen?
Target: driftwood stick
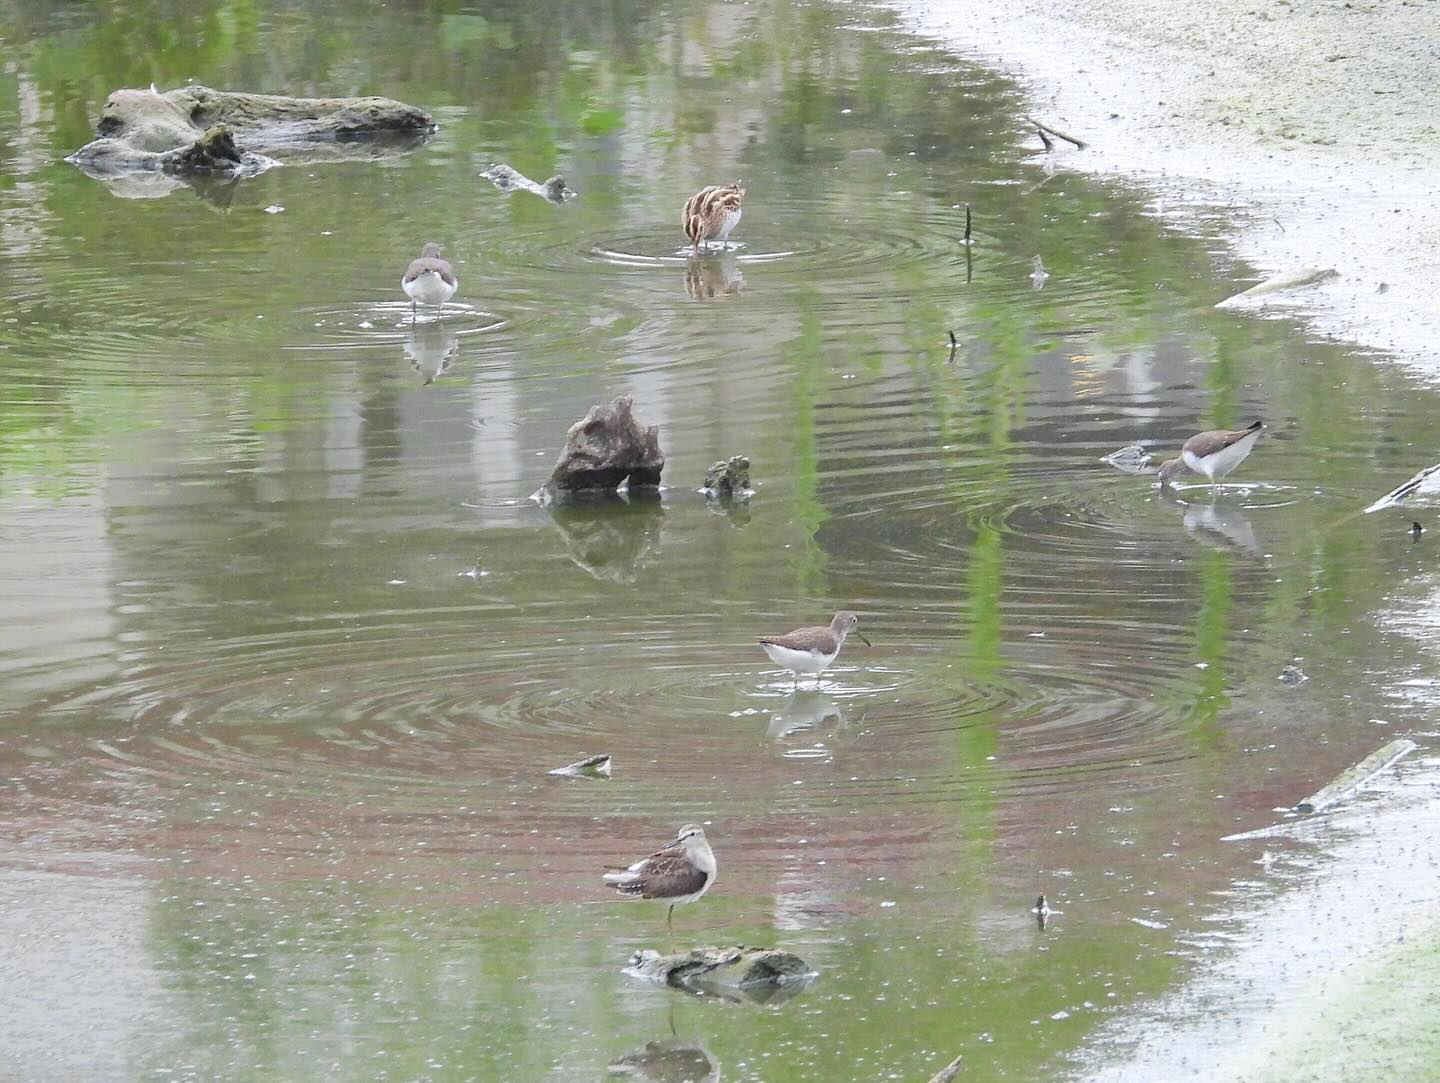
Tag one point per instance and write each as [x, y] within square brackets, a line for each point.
[1044, 128]
[1352, 778]
[948, 1073]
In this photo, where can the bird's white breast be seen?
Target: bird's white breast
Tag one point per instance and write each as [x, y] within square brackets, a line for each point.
[428, 288]
[798, 661]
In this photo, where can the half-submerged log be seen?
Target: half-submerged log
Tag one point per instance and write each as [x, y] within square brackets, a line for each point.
[606, 449]
[1400, 492]
[1350, 780]
[754, 973]
[949, 1073]
[200, 130]
[1286, 280]
[590, 767]
[555, 190]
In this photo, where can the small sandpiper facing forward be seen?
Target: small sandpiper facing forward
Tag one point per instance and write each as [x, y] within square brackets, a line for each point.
[811, 650]
[1214, 453]
[429, 280]
[679, 873]
[711, 213]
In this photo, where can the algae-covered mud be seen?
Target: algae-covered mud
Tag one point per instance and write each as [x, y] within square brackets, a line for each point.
[287, 654]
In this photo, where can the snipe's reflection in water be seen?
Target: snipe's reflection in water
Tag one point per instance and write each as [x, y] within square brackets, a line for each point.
[611, 536]
[668, 1060]
[712, 276]
[431, 348]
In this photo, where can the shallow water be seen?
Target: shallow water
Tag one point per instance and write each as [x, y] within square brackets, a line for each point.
[287, 651]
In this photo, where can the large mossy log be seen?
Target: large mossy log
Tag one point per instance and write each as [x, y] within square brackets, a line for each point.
[180, 130]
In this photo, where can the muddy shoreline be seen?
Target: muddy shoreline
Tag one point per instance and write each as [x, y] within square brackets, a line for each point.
[1311, 121]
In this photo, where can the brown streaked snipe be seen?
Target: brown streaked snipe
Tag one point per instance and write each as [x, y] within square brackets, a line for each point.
[711, 213]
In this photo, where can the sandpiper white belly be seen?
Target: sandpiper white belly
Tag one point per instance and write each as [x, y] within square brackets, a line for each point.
[799, 661]
[428, 288]
[1220, 463]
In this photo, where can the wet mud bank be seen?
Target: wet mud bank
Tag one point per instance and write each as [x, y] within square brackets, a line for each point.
[1311, 121]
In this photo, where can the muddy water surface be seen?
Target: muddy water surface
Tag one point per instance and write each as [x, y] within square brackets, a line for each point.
[287, 651]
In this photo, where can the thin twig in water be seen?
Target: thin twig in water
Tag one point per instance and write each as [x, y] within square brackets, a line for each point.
[1079, 143]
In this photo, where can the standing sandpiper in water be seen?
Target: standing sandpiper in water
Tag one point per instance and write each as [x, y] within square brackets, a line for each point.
[429, 280]
[679, 873]
[811, 650]
[711, 213]
[1214, 453]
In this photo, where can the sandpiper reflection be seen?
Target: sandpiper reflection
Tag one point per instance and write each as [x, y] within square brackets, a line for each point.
[1221, 526]
[803, 709]
[431, 348]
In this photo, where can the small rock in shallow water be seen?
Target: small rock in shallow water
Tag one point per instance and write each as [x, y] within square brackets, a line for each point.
[729, 478]
[1293, 675]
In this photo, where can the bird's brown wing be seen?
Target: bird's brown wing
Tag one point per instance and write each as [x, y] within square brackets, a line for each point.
[804, 639]
[1208, 443]
[425, 263]
[666, 875]
[694, 216]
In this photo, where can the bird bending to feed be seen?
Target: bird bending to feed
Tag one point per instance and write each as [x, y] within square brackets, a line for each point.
[811, 650]
[429, 280]
[711, 213]
[678, 873]
[1214, 453]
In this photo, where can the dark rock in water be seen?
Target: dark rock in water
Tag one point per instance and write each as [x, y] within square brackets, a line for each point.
[213, 152]
[671, 1060]
[729, 478]
[510, 180]
[759, 974]
[607, 448]
[198, 130]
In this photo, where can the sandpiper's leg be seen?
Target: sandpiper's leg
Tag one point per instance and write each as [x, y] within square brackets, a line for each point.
[669, 916]
[414, 311]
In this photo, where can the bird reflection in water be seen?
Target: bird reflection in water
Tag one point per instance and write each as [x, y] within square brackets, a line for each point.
[803, 709]
[712, 277]
[1220, 526]
[431, 348]
[669, 1060]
